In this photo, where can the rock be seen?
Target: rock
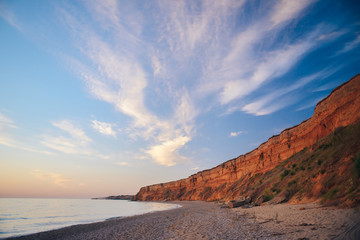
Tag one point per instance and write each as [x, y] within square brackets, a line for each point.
[259, 200]
[241, 201]
[302, 208]
[280, 198]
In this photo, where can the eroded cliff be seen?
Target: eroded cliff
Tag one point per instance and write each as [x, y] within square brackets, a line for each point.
[226, 181]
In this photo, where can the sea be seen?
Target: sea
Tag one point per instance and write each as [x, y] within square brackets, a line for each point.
[22, 216]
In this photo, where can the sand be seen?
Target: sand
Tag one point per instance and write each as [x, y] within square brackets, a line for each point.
[306, 221]
[202, 220]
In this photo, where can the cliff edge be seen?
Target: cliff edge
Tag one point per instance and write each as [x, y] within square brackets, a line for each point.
[230, 179]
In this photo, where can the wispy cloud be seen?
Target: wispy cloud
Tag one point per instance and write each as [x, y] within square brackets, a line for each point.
[6, 125]
[276, 99]
[350, 45]
[10, 17]
[74, 132]
[286, 10]
[310, 104]
[104, 128]
[274, 65]
[75, 141]
[9, 139]
[6, 122]
[326, 86]
[244, 68]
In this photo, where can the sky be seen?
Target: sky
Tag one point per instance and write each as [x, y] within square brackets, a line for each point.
[100, 98]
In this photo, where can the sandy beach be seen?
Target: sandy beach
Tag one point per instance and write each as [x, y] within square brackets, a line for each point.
[306, 221]
[203, 220]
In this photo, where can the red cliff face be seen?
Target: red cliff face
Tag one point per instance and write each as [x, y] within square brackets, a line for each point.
[340, 108]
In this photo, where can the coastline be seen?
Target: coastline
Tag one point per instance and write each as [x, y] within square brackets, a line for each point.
[207, 220]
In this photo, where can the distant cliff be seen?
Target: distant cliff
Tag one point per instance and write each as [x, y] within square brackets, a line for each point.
[228, 180]
[118, 197]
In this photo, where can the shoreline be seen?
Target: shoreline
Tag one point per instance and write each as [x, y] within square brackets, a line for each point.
[207, 220]
[88, 221]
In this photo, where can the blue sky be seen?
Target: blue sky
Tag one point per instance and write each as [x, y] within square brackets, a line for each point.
[103, 97]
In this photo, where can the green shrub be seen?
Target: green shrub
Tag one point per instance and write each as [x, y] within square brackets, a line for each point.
[268, 195]
[330, 194]
[357, 164]
[324, 146]
[276, 190]
[285, 173]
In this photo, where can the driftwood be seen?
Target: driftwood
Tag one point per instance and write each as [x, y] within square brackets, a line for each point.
[238, 202]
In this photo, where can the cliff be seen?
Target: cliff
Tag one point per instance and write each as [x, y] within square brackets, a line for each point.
[118, 197]
[228, 180]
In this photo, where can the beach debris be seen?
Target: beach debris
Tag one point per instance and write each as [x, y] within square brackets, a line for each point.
[240, 201]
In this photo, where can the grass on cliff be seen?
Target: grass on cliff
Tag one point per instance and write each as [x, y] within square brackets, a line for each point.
[329, 170]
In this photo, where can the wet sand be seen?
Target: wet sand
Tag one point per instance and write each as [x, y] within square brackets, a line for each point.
[202, 220]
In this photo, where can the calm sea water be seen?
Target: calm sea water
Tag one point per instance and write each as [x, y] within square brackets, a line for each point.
[21, 216]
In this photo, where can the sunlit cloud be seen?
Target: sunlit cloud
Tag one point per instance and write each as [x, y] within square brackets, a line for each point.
[123, 164]
[167, 153]
[104, 128]
[235, 134]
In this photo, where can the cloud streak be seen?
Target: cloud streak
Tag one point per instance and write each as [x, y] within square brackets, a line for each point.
[350, 45]
[9, 139]
[75, 141]
[275, 100]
